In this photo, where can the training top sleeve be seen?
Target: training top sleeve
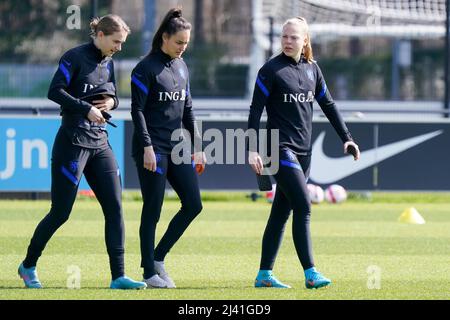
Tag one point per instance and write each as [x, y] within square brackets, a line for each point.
[140, 86]
[189, 121]
[112, 78]
[261, 93]
[67, 70]
[324, 99]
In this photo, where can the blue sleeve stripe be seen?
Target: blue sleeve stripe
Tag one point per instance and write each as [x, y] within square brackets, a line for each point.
[290, 164]
[69, 175]
[188, 90]
[139, 84]
[110, 69]
[262, 87]
[322, 93]
[66, 73]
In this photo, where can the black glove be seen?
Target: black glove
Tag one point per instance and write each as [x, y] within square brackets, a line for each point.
[264, 181]
[107, 116]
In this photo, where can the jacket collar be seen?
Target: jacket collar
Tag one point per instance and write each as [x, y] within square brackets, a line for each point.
[96, 52]
[292, 61]
[165, 58]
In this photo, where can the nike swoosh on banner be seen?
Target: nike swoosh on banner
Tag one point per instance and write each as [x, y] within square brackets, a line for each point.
[327, 170]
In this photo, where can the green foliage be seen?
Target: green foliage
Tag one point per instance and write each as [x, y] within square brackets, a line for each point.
[232, 80]
[370, 76]
[359, 73]
[132, 49]
[27, 20]
[202, 61]
[30, 20]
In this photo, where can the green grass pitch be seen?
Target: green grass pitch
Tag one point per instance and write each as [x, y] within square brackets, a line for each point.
[359, 244]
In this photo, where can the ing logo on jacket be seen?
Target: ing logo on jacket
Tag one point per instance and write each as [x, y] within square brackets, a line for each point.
[172, 95]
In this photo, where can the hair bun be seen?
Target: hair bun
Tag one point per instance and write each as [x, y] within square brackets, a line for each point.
[94, 25]
[177, 13]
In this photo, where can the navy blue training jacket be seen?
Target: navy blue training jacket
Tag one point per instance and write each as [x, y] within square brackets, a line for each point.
[160, 103]
[80, 70]
[287, 89]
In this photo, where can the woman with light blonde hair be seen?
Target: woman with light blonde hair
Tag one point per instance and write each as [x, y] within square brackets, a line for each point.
[287, 86]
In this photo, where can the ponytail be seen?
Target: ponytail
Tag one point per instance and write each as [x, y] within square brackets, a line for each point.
[94, 25]
[171, 24]
[307, 51]
[108, 24]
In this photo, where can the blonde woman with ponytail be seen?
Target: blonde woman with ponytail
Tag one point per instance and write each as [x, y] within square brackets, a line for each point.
[287, 86]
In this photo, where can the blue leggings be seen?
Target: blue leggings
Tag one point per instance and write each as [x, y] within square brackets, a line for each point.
[100, 168]
[291, 194]
[183, 180]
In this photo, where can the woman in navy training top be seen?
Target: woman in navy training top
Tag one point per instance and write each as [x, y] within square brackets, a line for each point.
[84, 87]
[287, 86]
[161, 103]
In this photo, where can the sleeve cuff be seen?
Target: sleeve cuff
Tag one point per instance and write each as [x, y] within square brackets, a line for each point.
[116, 103]
[86, 107]
[348, 137]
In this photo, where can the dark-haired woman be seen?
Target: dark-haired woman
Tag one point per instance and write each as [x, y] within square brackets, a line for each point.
[160, 104]
[84, 87]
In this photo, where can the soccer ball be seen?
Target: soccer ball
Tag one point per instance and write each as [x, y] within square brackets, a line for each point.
[335, 194]
[315, 193]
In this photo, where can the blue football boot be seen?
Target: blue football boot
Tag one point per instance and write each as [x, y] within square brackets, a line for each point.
[266, 279]
[126, 283]
[29, 277]
[314, 279]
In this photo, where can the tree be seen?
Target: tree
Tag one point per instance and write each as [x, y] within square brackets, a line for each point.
[23, 20]
[36, 30]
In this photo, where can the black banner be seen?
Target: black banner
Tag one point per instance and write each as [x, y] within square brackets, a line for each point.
[394, 156]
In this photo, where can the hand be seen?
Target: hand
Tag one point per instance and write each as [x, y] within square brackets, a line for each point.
[149, 159]
[352, 148]
[105, 104]
[255, 162]
[96, 116]
[199, 161]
